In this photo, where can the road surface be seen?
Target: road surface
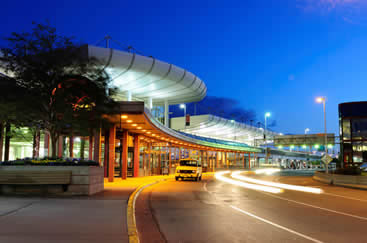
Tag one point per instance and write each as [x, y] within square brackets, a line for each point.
[216, 211]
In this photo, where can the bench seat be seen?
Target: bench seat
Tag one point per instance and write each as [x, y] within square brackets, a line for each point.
[35, 177]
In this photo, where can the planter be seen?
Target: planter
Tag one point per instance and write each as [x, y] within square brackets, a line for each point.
[354, 181]
[85, 180]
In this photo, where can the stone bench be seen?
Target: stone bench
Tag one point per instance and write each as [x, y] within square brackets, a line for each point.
[62, 180]
[35, 177]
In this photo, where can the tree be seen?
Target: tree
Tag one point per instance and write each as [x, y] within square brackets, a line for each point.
[52, 70]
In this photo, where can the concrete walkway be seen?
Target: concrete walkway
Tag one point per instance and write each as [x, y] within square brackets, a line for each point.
[99, 218]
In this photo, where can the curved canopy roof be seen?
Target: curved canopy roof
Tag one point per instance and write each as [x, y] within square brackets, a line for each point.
[147, 77]
[137, 119]
[220, 128]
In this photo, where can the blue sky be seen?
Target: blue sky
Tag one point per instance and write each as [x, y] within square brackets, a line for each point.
[269, 55]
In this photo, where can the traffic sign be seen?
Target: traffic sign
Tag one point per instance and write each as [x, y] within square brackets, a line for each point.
[326, 159]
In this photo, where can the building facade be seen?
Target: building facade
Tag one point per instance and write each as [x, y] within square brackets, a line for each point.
[353, 133]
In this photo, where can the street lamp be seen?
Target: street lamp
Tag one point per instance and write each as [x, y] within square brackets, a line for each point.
[307, 130]
[183, 106]
[267, 114]
[323, 100]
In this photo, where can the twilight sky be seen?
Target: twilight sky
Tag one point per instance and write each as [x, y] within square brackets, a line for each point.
[270, 55]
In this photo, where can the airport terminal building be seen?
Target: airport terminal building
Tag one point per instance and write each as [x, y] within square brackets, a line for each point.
[139, 144]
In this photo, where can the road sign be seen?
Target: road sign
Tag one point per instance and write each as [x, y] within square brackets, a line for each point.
[326, 159]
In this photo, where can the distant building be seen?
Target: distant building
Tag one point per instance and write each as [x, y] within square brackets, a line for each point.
[353, 132]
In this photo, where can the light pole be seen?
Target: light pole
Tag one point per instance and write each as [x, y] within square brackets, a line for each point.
[267, 114]
[183, 106]
[323, 101]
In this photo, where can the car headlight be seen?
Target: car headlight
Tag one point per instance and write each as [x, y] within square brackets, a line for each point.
[194, 171]
[178, 171]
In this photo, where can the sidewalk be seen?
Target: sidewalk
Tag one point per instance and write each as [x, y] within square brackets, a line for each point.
[99, 218]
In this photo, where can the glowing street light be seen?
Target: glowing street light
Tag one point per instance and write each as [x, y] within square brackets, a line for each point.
[267, 114]
[323, 101]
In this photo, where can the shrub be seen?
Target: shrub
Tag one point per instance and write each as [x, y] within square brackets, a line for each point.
[47, 161]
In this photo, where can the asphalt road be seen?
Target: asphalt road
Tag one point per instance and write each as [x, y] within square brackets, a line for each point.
[215, 211]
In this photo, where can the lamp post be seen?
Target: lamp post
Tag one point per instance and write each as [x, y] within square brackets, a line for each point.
[307, 130]
[267, 114]
[183, 106]
[323, 101]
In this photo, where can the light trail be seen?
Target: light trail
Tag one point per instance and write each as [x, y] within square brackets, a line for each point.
[267, 171]
[278, 185]
[219, 176]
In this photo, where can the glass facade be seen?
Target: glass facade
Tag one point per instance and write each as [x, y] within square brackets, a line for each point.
[353, 131]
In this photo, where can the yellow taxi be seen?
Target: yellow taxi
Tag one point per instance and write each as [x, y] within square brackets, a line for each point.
[189, 169]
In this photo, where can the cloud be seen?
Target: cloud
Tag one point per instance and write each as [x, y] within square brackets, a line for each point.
[351, 11]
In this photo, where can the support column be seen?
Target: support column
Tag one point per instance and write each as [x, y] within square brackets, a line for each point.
[136, 155]
[125, 135]
[249, 161]
[7, 141]
[166, 112]
[71, 146]
[149, 159]
[169, 160]
[150, 103]
[159, 160]
[90, 151]
[225, 159]
[97, 146]
[244, 160]
[105, 154]
[129, 95]
[1, 140]
[111, 153]
[216, 160]
[60, 147]
[46, 144]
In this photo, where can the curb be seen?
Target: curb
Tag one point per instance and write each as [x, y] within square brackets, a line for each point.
[131, 222]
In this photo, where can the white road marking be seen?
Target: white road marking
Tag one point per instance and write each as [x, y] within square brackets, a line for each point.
[276, 225]
[205, 189]
[321, 208]
[351, 198]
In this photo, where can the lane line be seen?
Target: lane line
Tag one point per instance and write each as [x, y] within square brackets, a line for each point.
[205, 189]
[276, 225]
[351, 198]
[321, 208]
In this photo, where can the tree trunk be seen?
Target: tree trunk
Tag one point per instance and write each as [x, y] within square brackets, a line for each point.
[1, 140]
[54, 138]
[82, 147]
[36, 143]
[7, 141]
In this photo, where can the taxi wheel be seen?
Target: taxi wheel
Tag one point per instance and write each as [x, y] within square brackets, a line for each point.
[200, 178]
[176, 178]
[196, 178]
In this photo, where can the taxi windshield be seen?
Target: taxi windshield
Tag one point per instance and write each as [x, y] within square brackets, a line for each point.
[188, 163]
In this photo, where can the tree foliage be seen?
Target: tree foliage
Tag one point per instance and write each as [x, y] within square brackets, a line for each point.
[60, 87]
